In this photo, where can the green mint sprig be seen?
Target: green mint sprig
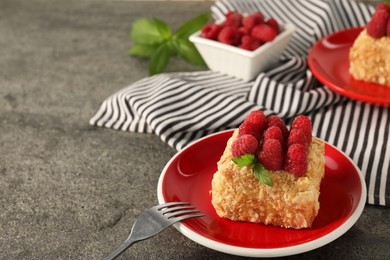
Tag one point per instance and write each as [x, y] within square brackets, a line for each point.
[258, 169]
[387, 2]
[244, 160]
[153, 39]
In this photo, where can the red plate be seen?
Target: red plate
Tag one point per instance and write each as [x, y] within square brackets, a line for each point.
[188, 175]
[328, 60]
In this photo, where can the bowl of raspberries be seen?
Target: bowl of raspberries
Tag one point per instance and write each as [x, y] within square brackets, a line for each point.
[242, 45]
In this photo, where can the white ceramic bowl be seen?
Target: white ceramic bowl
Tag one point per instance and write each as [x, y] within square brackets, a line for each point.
[238, 62]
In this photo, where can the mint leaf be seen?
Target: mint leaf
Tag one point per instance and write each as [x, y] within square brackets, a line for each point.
[387, 2]
[142, 50]
[153, 39]
[160, 58]
[261, 174]
[187, 50]
[163, 28]
[259, 171]
[191, 26]
[149, 31]
[244, 160]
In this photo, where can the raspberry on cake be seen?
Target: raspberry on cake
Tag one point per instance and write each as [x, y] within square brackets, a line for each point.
[296, 159]
[276, 121]
[274, 132]
[290, 199]
[245, 144]
[258, 119]
[271, 155]
[369, 56]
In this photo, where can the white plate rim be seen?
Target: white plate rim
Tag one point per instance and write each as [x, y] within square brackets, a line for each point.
[266, 252]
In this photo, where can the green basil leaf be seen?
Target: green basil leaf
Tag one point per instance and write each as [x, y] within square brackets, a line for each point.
[261, 174]
[244, 160]
[142, 50]
[149, 31]
[187, 50]
[191, 26]
[160, 58]
[163, 28]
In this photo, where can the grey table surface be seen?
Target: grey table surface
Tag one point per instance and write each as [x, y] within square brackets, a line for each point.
[72, 191]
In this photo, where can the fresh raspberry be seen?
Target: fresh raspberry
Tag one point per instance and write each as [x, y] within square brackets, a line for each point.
[382, 6]
[264, 32]
[233, 19]
[249, 43]
[271, 155]
[229, 35]
[376, 27]
[388, 29]
[243, 31]
[278, 122]
[253, 19]
[296, 136]
[274, 132]
[257, 118]
[296, 160]
[273, 23]
[304, 124]
[245, 144]
[247, 128]
[211, 31]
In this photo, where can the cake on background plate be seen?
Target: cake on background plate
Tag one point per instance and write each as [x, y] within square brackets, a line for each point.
[369, 56]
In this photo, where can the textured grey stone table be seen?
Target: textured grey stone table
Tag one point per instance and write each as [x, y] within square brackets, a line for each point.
[72, 191]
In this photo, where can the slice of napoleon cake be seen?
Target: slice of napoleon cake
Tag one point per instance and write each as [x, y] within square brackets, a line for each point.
[269, 174]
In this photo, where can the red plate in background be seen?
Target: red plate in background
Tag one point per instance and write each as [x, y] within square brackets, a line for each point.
[328, 60]
[188, 175]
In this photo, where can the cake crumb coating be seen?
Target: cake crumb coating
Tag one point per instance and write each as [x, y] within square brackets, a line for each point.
[369, 59]
[292, 202]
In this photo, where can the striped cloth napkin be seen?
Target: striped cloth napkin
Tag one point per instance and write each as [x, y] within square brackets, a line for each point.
[182, 107]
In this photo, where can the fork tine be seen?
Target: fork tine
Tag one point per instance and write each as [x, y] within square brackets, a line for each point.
[177, 219]
[180, 212]
[172, 209]
[170, 204]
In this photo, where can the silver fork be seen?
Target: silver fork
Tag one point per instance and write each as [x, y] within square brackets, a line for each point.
[154, 220]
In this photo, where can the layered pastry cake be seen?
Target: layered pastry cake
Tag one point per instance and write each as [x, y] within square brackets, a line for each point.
[369, 55]
[270, 174]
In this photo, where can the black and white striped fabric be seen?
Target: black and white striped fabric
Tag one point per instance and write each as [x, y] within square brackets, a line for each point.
[182, 107]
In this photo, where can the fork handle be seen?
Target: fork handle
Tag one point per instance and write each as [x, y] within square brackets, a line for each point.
[120, 249]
